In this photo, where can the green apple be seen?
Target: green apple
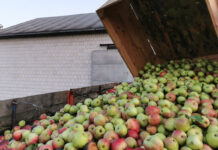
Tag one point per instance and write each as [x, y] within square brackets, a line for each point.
[131, 142]
[67, 108]
[144, 99]
[80, 119]
[73, 109]
[96, 102]
[121, 130]
[161, 136]
[140, 110]
[169, 124]
[142, 119]
[208, 88]
[153, 143]
[98, 132]
[88, 101]
[80, 139]
[212, 128]
[131, 111]
[84, 108]
[111, 110]
[212, 139]
[161, 129]
[216, 103]
[182, 123]
[109, 127]
[66, 117]
[100, 120]
[194, 142]
[69, 146]
[38, 130]
[79, 104]
[77, 127]
[22, 123]
[171, 144]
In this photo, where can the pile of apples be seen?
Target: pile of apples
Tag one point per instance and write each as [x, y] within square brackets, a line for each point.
[171, 106]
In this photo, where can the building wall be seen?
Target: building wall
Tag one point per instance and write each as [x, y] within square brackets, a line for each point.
[31, 66]
[108, 66]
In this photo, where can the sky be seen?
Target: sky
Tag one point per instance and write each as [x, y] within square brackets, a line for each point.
[16, 11]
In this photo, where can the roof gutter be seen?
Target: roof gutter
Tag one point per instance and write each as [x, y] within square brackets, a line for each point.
[52, 33]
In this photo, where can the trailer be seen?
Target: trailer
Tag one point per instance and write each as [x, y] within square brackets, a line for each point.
[159, 31]
[31, 107]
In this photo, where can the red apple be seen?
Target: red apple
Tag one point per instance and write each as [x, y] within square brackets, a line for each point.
[111, 136]
[209, 112]
[118, 144]
[16, 128]
[36, 122]
[152, 110]
[133, 133]
[21, 146]
[128, 148]
[62, 130]
[27, 127]
[154, 119]
[130, 95]
[46, 147]
[43, 116]
[58, 143]
[151, 129]
[162, 73]
[138, 148]
[180, 136]
[139, 142]
[92, 116]
[54, 127]
[171, 96]
[31, 138]
[51, 121]
[2, 138]
[206, 147]
[133, 124]
[103, 144]
[17, 135]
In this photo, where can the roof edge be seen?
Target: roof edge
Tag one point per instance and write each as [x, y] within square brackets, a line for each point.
[52, 33]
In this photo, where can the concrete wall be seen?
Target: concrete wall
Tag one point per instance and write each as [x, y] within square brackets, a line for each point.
[31, 66]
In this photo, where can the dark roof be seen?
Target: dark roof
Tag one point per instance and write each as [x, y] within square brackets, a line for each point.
[89, 22]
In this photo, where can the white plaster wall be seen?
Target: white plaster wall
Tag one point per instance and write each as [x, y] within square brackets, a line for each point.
[31, 66]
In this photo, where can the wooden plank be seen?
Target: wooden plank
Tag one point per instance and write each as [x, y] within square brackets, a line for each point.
[213, 9]
[187, 23]
[123, 28]
[211, 57]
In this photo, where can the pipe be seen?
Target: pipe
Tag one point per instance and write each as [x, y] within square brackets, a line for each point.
[14, 103]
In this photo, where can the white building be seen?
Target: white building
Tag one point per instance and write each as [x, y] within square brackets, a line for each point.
[55, 54]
